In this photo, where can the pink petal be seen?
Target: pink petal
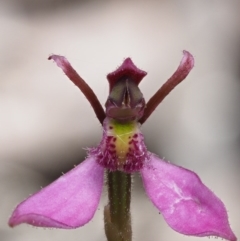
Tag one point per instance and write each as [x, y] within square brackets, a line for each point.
[69, 202]
[186, 204]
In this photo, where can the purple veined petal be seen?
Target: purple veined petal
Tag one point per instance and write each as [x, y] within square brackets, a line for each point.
[186, 204]
[69, 202]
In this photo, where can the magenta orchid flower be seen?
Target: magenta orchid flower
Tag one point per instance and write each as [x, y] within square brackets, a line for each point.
[187, 205]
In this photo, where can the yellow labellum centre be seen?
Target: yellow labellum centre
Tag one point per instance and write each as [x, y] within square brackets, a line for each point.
[123, 138]
[122, 146]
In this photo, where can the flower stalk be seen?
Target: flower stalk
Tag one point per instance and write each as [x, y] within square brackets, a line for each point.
[117, 215]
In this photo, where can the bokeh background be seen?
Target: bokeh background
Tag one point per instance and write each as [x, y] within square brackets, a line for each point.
[45, 121]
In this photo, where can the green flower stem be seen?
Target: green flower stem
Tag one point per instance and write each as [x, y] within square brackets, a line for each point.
[117, 215]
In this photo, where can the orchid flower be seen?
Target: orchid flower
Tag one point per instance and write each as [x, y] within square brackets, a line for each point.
[186, 204]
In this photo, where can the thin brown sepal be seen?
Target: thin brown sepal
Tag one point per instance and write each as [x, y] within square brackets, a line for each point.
[180, 74]
[63, 63]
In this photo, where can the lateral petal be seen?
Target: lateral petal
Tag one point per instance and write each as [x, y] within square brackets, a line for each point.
[69, 202]
[187, 205]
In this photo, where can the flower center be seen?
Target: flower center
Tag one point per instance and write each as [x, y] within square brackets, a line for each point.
[122, 146]
[122, 138]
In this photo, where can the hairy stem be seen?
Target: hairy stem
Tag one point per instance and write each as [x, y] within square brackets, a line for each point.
[117, 215]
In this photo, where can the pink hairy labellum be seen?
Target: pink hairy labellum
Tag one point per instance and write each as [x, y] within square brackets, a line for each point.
[186, 204]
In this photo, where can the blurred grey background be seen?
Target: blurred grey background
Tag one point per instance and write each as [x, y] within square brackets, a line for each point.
[45, 121]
